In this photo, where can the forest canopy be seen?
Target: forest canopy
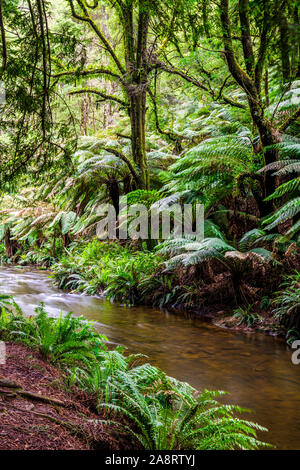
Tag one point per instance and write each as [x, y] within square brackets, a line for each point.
[127, 61]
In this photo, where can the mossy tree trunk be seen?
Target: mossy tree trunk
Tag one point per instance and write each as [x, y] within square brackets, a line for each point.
[133, 70]
[136, 84]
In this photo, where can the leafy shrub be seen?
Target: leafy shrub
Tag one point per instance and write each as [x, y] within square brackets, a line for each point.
[288, 300]
[6, 303]
[108, 267]
[169, 415]
[126, 282]
[159, 290]
[287, 303]
[41, 258]
[66, 339]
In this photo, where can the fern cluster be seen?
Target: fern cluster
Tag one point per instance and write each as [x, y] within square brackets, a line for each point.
[160, 412]
[67, 339]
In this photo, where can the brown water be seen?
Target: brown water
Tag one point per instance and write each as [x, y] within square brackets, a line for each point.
[255, 369]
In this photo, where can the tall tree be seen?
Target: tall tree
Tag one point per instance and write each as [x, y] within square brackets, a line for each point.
[249, 76]
[246, 37]
[129, 67]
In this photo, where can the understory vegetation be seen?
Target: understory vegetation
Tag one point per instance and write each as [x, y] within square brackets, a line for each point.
[251, 287]
[157, 411]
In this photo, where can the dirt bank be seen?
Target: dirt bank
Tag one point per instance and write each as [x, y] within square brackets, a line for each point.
[37, 412]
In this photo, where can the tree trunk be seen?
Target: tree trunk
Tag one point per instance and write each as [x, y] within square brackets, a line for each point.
[115, 193]
[205, 19]
[251, 86]
[136, 85]
[10, 245]
[137, 120]
[268, 138]
[66, 240]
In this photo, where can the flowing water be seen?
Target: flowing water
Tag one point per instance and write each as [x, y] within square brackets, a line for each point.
[255, 369]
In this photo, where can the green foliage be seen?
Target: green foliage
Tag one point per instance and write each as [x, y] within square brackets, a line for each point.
[168, 415]
[125, 283]
[245, 316]
[37, 257]
[106, 267]
[287, 301]
[204, 135]
[211, 169]
[189, 252]
[286, 212]
[6, 303]
[265, 303]
[147, 198]
[159, 290]
[159, 412]
[288, 191]
[67, 340]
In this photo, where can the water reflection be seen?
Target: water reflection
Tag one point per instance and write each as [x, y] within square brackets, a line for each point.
[255, 369]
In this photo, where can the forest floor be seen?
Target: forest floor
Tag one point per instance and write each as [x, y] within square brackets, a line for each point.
[38, 412]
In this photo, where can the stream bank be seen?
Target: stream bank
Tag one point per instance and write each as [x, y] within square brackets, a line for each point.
[256, 370]
[39, 413]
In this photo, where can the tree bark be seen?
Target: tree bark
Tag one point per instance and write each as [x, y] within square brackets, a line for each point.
[137, 120]
[10, 245]
[136, 87]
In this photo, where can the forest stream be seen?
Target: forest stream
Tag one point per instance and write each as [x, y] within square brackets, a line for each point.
[255, 369]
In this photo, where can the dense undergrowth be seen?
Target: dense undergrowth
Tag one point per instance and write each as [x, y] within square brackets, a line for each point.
[157, 411]
[251, 242]
[265, 289]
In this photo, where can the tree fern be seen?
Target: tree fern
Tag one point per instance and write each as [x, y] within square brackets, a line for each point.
[190, 253]
[168, 416]
[286, 212]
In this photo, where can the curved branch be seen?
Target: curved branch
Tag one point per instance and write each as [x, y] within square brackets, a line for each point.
[103, 95]
[246, 36]
[123, 136]
[87, 72]
[226, 98]
[233, 102]
[185, 76]
[197, 83]
[126, 160]
[170, 134]
[241, 77]
[87, 18]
